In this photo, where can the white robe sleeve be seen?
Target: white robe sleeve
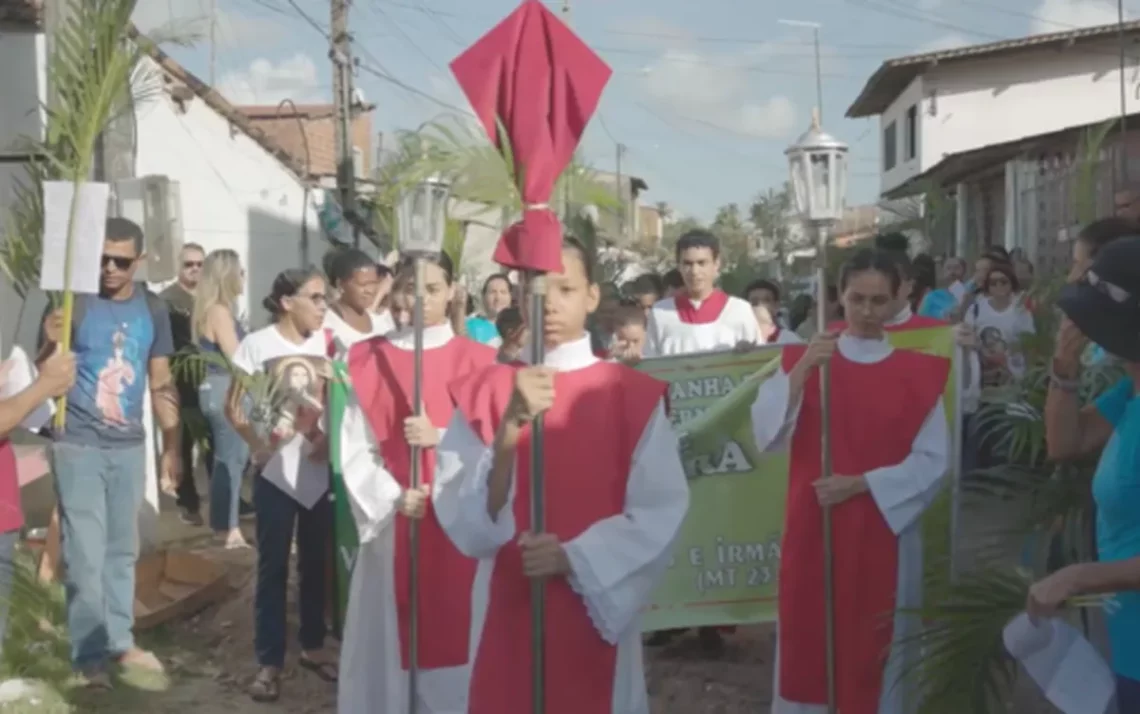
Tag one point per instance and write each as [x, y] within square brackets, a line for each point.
[617, 562]
[373, 492]
[748, 330]
[652, 346]
[773, 419]
[459, 492]
[902, 492]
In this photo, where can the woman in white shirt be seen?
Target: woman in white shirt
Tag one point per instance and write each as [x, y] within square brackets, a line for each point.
[351, 318]
[290, 491]
[999, 321]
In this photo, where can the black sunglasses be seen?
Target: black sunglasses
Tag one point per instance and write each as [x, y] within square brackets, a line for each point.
[119, 261]
[191, 264]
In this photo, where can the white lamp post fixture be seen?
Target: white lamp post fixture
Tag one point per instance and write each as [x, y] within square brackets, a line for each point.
[421, 220]
[818, 163]
[421, 216]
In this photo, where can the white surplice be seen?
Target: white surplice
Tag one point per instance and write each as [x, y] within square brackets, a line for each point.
[667, 334]
[616, 563]
[372, 677]
[901, 492]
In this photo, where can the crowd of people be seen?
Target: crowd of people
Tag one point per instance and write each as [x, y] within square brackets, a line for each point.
[454, 462]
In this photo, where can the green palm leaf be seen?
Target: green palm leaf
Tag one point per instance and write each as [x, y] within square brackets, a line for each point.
[96, 72]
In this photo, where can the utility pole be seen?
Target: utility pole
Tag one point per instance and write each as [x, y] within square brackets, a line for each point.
[621, 194]
[213, 43]
[340, 52]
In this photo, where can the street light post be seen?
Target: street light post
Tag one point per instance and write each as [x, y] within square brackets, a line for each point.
[818, 163]
[421, 217]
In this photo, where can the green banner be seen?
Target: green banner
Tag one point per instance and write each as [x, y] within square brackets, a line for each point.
[346, 537]
[727, 555]
[726, 559]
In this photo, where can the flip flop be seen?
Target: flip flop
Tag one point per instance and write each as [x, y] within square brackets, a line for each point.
[327, 671]
[266, 686]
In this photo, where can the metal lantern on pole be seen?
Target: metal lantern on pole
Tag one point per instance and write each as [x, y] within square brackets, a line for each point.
[421, 218]
[818, 163]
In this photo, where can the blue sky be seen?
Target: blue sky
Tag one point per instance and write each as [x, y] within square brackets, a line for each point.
[706, 94]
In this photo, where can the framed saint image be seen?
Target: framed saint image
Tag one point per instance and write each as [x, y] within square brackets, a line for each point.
[296, 397]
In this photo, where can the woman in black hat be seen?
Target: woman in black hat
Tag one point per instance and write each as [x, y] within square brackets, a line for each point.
[1103, 306]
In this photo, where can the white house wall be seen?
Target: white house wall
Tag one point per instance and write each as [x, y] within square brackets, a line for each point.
[972, 104]
[23, 81]
[234, 194]
[904, 168]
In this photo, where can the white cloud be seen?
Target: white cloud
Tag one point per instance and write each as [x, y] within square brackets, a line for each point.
[266, 82]
[1059, 15]
[720, 93]
[190, 19]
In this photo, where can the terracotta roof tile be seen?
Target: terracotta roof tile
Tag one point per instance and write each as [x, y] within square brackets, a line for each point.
[21, 13]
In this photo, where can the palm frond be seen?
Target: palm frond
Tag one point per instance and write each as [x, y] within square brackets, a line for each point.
[98, 71]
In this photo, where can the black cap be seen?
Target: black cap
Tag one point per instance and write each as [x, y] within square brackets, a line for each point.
[1105, 303]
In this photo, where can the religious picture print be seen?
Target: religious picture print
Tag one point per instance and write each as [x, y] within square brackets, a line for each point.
[995, 358]
[296, 397]
[112, 344]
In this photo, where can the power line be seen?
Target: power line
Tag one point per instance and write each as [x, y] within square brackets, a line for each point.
[406, 37]
[388, 77]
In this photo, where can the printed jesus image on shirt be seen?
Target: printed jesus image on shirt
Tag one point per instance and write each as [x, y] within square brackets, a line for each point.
[113, 380]
[299, 395]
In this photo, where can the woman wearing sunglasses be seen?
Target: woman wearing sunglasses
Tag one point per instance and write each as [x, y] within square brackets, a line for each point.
[290, 491]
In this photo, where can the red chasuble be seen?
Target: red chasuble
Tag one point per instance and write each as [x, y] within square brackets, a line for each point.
[877, 411]
[382, 377]
[11, 512]
[591, 432]
[914, 322]
[709, 311]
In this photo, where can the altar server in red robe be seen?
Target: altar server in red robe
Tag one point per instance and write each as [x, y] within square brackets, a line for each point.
[377, 431]
[701, 317]
[900, 316]
[615, 498]
[890, 450]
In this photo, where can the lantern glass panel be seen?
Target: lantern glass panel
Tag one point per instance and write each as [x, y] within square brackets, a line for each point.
[420, 217]
[820, 186]
[797, 161]
[840, 183]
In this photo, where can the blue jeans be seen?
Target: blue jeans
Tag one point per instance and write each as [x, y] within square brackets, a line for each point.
[277, 517]
[100, 491]
[230, 453]
[8, 543]
[1127, 695]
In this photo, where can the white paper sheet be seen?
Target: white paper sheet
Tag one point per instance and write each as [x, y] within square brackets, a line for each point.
[1068, 669]
[20, 375]
[87, 245]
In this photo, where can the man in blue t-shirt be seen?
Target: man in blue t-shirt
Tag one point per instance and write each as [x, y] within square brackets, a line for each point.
[1104, 307]
[122, 344]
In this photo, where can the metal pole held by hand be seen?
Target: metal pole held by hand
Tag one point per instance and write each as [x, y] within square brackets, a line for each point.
[825, 466]
[537, 284]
